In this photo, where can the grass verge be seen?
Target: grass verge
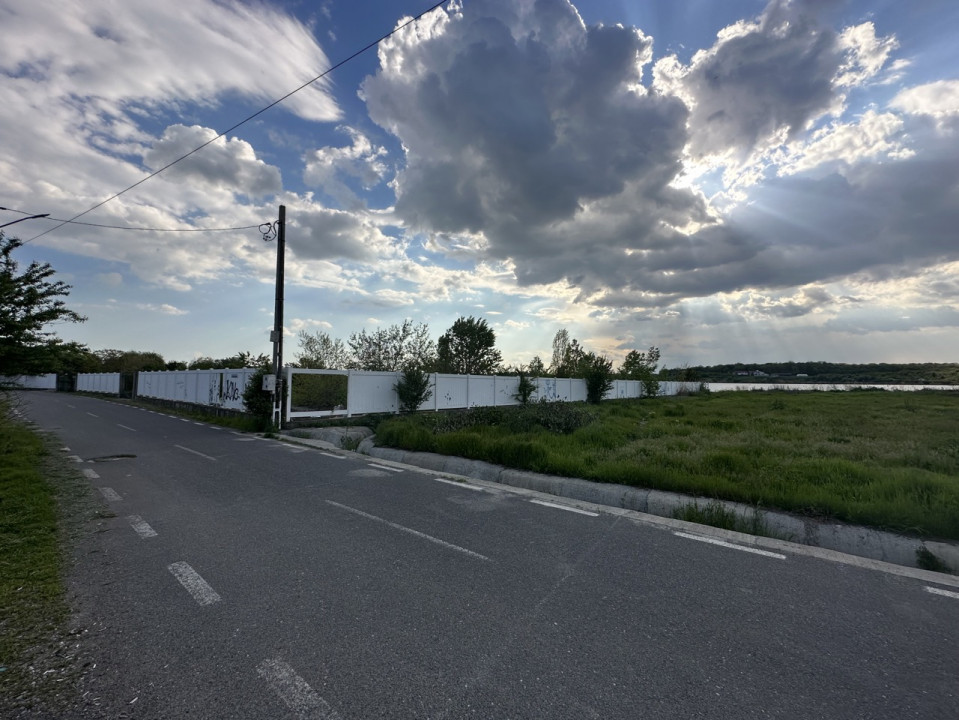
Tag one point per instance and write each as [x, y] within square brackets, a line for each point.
[43, 502]
[883, 459]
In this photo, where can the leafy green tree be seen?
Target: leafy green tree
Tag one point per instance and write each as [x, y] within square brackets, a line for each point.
[642, 366]
[597, 371]
[468, 348]
[29, 302]
[413, 388]
[127, 361]
[320, 351]
[567, 355]
[536, 368]
[393, 348]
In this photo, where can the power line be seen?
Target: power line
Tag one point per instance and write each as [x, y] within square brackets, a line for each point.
[127, 227]
[244, 121]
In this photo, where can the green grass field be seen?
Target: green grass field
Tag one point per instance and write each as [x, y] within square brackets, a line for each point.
[43, 502]
[884, 459]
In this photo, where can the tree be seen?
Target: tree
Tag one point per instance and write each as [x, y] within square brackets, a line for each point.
[28, 304]
[642, 366]
[597, 371]
[393, 348]
[468, 348]
[413, 388]
[567, 355]
[536, 368]
[319, 351]
[128, 361]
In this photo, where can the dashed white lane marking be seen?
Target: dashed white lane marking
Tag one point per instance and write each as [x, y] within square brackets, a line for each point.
[564, 507]
[295, 691]
[194, 584]
[141, 527]
[243, 439]
[385, 467]
[200, 424]
[723, 543]
[214, 427]
[110, 494]
[87, 472]
[462, 485]
[92, 415]
[338, 457]
[64, 449]
[944, 593]
[181, 419]
[401, 528]
[72, 407]
[75, 458]
[126, 428]
[195, 452]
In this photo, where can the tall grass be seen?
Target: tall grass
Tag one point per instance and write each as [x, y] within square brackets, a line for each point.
[885, 459]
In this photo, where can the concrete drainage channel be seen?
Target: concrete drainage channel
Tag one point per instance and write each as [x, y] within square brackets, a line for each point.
[852, 539]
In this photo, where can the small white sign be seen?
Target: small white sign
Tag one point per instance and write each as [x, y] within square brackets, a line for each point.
[269, 383]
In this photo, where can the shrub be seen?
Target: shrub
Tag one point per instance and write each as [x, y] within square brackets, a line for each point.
[259, 402]
[525, 389]
[597, 371]
[413, 388]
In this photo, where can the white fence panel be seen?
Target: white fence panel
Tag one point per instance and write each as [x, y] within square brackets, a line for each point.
[99, 383]
[450, 391]
[30, 382]
[372, 392]
[216, 388]
[506, 387]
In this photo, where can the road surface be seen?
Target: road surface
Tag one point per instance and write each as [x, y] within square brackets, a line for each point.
[250, 578]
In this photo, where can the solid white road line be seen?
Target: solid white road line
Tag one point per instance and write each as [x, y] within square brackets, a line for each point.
[126, 428]
[141, 527]
[944, 593]
[195, 452]
[723, 543]
[110, 494]
[295, 691]
[194, 584]
[385, 467]
[338, 457]
[417, 533]
[564, 507]
[463, 485]
[87, 472]
[92, 415]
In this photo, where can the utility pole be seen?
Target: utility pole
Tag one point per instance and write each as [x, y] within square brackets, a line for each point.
[277, 335]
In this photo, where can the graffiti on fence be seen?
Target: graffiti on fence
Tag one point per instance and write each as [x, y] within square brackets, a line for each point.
[231, 390]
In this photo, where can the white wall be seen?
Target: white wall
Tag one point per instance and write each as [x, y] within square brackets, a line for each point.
[99, 383]
[372, 392]
[216, 388]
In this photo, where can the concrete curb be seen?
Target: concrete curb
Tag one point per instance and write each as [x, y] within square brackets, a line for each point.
[852, 539]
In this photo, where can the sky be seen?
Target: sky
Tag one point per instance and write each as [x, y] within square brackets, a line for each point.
[736, 181]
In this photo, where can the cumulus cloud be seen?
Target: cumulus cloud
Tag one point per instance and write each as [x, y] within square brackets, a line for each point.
[362, 161]
[162, 308]
[324, 233]
[516, 118]
[228, 163]
[938, 99]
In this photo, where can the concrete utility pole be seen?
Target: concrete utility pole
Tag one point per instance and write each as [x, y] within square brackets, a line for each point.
[277, 335]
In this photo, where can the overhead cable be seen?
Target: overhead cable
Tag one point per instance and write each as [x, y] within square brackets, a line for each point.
[140, 229]
[244, 121]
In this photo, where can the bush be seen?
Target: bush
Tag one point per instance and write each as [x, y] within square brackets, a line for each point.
[525, 389]
[259, 402]
[597, 371]
[413, 388]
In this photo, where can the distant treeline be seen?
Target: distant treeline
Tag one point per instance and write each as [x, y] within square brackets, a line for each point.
[821, 372]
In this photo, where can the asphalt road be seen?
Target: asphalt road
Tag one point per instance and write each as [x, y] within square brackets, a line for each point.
[249, 578]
